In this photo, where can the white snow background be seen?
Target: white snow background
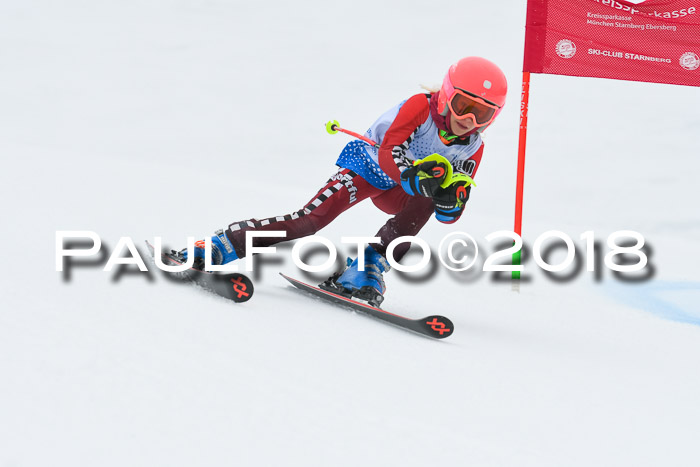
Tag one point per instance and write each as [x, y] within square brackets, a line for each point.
[175, 118]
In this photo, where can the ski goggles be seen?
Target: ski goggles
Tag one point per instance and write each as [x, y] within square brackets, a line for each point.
[465, 105]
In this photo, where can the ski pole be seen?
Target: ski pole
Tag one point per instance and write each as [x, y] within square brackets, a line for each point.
[333, 127]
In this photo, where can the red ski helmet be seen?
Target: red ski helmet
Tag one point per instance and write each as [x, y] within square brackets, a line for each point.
[477, 77]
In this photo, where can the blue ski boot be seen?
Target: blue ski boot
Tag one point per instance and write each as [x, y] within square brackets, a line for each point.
[222, 251]
[367, 285]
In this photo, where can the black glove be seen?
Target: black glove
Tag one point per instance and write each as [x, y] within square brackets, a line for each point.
[449, 202]
[423, 179]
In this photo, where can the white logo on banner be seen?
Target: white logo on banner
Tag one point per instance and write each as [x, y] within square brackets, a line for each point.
[690, 61]
[566, 48]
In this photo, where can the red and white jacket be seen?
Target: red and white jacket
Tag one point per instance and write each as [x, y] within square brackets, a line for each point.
[406, 133]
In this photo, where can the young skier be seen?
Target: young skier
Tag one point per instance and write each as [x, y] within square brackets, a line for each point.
[402, 176]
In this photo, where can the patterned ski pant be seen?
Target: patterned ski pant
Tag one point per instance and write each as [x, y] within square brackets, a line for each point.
[342, 191]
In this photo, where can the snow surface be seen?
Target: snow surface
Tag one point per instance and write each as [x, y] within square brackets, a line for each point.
[175, 118]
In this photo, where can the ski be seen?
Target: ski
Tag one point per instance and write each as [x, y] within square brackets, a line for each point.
[435, 326]
[233, 285]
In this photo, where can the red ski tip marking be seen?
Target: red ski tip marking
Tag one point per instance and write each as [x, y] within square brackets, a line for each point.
[438, 326]
[240, 287]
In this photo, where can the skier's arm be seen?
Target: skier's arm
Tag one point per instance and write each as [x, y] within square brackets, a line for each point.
[392, 152]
